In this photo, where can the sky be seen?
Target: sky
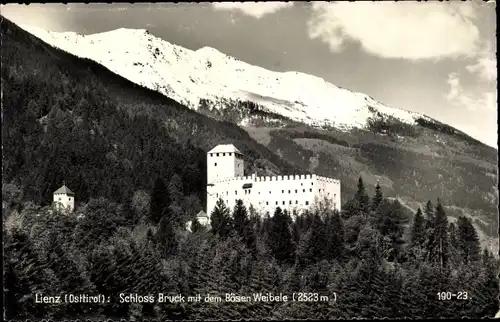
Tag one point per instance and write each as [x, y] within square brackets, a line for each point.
[435, 58]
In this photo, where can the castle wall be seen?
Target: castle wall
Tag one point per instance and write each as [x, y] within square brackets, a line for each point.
[64, 201]
[329, 189]
[294, 192]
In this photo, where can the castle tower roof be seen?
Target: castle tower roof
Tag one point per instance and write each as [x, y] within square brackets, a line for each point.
[201, 214]
[225, 148]
[64, 190]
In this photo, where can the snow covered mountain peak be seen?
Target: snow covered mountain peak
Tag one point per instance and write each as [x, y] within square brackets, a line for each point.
[207, 74]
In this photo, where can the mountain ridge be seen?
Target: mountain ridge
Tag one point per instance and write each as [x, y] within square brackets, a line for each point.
[309, 99]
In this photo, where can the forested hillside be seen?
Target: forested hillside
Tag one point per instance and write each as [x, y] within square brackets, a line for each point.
[136, 161]
[415, 164]
[354, 264]
[70, 119]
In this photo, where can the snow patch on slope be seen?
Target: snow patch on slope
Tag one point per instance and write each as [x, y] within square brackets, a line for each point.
[188, 76]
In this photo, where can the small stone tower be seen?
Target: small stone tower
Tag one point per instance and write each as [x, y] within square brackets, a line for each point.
[64, 198]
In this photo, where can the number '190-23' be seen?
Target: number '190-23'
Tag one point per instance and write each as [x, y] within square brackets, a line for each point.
[443, 296]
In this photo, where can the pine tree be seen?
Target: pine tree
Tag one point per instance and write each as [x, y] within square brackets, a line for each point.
[429, 213]
[262, 279]
[243, 227]
[159, 201]
[167, 238]
[280, 237]
[486, 288]
[176, 190]
[26, 275]
[429, 227]
[240, 218]
[453, 245]
[377, 198]
[361, 198]
[439, 241]
[468, 241]
[318, 237]
[220, 220]
[417, 230]
[390, 222]
[452, 235]
[489, 263]
[334, 232]
[176, 195]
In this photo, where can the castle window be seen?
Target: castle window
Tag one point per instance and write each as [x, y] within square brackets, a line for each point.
[288, 191]
[303, 190]
[267, 203]
[307, 203]
[301, 184]
[312, 183]
[295, 190]
[269, 191]
[296, 202]
[235, 192]
[217, 154]
[290, 202]
[230, 153]
[334, 195]
[282, 191]
[215, 164]
[310, 190]
[276, 203]
[283, 202]
[223, 154]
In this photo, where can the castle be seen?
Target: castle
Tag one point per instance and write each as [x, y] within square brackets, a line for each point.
[226, 181]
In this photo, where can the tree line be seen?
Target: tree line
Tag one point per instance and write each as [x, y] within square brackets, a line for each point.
[371, 256]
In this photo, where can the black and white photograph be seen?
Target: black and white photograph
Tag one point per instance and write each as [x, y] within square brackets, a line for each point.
[250, 161]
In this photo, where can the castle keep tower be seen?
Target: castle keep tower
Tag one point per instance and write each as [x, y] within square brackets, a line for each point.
[64, 198]
[224, 161]
[226, 180]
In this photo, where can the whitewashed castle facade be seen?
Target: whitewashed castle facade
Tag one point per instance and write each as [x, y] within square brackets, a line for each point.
[64, 199]
[226, 180]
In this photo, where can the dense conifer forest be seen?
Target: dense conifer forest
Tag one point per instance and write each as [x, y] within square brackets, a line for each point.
[357, 258]
[136, 161]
